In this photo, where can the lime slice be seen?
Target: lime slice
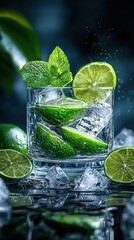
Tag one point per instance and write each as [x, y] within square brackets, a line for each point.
[83, 142]
[14, 165]
[51, 144]
[119, 165]
[61, 111]
[13, 137]
[93, 81]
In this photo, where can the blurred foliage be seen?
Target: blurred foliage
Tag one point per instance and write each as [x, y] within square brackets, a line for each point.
[18, 44]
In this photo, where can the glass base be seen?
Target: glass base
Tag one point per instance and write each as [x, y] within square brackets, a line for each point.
[73, 168]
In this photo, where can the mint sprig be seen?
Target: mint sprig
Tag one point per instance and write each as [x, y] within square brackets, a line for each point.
[55, 72]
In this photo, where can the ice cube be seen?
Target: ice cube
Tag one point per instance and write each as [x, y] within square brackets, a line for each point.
[56, 178]
[5, 204]
[91, 200]
[96, 118]
[91, 180]
[49, 94]
[58, 200]
[106, 230]
[127, 221]
[124, 138]
[52, 198]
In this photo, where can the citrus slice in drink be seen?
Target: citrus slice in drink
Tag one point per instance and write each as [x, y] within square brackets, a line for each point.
[51, 143]
[119, 165]
[14, 165]
[93, 81]
[83, 142]
[61, 111]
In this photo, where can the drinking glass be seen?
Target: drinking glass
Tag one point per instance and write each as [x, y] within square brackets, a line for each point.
[65, 129]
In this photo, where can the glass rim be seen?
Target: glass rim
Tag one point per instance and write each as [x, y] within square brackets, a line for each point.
[70, 87]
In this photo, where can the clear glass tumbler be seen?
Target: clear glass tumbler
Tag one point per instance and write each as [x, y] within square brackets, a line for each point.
[68, 128]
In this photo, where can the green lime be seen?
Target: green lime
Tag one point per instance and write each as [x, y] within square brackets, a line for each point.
[93, 81]
[51, 143]
[119, 165]
[83, 142]
[61, 111]
[13, 137]
[14, 165]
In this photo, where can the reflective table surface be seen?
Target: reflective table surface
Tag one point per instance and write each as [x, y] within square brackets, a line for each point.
[38, 213]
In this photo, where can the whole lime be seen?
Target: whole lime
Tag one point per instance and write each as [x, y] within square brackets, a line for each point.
[13, 137]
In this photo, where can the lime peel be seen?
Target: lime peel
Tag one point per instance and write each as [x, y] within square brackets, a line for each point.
[82, 142]
[51, 144]
[63, 111]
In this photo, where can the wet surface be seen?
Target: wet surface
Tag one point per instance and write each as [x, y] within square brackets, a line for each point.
[39, 213]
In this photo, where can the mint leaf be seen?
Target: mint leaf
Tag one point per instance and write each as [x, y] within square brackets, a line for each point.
[36, 74]
[59, 68]
[53, 70]
[56, 72]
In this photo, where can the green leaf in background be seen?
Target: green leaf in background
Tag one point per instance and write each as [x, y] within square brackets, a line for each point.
[36, 74]
[59, 68]
[18, 38]
[6, 73]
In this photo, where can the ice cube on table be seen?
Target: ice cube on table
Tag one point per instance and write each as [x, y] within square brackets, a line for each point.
[124, 138]
[96, 118]
[5, 204]
[49, 94]
[91, 180]
[56, 178]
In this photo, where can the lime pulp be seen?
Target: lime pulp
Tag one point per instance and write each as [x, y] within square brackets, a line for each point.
[119, 165]
[93, 82]
[14, 165]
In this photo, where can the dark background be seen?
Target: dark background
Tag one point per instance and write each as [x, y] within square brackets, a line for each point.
[98, 30]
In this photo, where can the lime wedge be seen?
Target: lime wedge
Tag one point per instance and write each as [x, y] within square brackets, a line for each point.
[93, 81]
[51, 144]
[83, 142]
[119, 165]
[61, 111]
[14, 165]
